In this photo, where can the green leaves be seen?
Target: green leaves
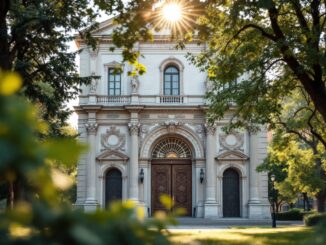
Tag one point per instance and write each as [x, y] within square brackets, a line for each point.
[39, 216]
[66, 151]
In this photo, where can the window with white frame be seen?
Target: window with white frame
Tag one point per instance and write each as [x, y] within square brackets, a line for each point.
[114, 81]
[171, 80]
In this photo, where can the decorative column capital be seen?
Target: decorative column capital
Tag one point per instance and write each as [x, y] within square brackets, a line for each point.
[134, 128]
[91, 127]
[210, 129]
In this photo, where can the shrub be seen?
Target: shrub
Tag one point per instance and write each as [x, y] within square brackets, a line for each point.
[293, 214]
[314, 219]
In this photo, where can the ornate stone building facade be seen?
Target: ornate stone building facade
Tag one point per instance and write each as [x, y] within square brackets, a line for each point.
[149, 136]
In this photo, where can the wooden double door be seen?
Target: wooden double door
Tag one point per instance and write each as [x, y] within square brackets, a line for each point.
[173, 178]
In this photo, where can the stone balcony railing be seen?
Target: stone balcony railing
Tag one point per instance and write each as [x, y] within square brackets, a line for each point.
[141, 100]
[172, 99]
[113, 99]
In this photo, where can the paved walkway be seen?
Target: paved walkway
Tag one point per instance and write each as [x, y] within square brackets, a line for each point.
[201, 223]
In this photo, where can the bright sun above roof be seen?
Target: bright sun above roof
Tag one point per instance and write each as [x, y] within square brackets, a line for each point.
[172, 12]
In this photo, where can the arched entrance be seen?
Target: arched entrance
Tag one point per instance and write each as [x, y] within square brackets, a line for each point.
[231, 193]
[113, 186]
[171, 174]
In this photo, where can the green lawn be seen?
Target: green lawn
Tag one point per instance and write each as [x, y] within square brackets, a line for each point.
[243, 236]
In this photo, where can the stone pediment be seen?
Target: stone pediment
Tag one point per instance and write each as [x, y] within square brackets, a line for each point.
[106, 28]
[232, 156]
[112, 155]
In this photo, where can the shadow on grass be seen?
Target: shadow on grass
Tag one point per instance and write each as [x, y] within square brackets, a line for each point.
[252, 236]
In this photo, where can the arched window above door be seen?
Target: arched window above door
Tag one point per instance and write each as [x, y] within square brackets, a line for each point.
[171, 148]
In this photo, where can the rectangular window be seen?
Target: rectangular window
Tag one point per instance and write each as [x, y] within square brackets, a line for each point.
[167, 92]
[114, 82]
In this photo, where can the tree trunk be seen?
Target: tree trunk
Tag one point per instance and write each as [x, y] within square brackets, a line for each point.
[321, 197]
[10, 195]
[4, 42]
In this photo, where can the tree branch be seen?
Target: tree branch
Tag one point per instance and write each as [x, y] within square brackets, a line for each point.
[253, 26]
[313, 131]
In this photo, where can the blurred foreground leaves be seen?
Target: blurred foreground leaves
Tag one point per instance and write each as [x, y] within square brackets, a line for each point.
[38, 216]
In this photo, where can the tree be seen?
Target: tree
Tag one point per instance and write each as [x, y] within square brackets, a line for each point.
[34, 36]
[274, 46]
[297, 155]
[43, 218]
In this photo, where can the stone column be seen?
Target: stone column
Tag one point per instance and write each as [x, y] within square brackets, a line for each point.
[254, 178]
[258, 207]
[91, 202]
[210, 205]
[133, 162]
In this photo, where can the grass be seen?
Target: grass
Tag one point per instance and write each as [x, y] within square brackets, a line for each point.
[243, 236]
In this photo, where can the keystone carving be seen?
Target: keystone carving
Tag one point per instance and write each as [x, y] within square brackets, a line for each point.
[172, 125]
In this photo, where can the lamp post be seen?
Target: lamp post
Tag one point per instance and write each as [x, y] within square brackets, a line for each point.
[201, 175]
[273, 201]
[141, 175]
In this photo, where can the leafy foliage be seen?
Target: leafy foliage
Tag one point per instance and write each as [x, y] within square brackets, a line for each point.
[34, 42]
[256, 53]
[314, 219]
[40, 217]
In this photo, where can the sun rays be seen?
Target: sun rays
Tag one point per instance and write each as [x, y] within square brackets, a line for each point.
[175, 15]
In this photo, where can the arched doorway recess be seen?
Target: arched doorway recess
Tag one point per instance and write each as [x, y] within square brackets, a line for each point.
[113, 186]
[171, 174]
[231, 193]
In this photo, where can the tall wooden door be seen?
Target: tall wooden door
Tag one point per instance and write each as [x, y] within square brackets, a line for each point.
[231, 193]
[173, 179]
[113, 186]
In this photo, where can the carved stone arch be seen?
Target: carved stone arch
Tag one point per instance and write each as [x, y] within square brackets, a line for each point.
[239, 168]
[107, 167]
[181, 131]
[171, 61]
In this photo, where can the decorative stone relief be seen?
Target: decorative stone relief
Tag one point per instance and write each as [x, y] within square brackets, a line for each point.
[233, 141]
[134, 85]
[209, 84]
[93, 85]
[93, 52]
[172, 125]
[113, 139]
[91, 127]
[200, 130]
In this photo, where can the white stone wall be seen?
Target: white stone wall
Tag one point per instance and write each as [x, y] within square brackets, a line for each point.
[142, 117]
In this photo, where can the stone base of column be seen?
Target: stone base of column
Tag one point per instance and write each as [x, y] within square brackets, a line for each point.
[259, 211]
[79, 203]
[199, 210]
[210, 210]
[142, 207]
[90, 205]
